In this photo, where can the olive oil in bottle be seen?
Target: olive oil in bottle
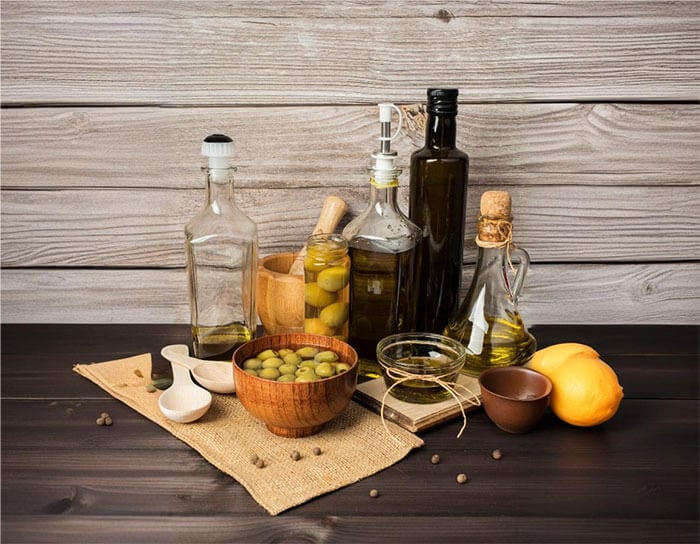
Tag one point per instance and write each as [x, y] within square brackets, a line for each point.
[437, 204]
[488, 322]
[222, 251]
[383, 301]
[383, 245]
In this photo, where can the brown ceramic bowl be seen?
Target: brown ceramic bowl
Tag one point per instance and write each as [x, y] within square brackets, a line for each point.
[514, 397]
[280, 297]
[295, 409]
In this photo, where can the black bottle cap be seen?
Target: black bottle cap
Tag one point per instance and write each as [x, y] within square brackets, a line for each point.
[217, 139]
[442, 101]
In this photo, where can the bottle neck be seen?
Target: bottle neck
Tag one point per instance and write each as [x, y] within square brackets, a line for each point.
[383, 198]
[219, 184]
[441, 131]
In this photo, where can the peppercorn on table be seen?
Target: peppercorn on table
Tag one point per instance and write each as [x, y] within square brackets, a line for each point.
[66, 478]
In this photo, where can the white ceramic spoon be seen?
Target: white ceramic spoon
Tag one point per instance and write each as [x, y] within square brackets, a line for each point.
[184, 401]
[217, 376]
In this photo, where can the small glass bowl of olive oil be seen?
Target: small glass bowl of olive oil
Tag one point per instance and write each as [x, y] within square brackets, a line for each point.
[417, 366]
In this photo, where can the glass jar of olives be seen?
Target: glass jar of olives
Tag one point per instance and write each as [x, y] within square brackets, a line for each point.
[326, 292]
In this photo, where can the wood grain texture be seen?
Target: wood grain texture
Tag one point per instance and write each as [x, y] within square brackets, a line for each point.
[367, 8]
[592, 293]
[633, 479]
[137, 56]
[329, 146]
[144, 228]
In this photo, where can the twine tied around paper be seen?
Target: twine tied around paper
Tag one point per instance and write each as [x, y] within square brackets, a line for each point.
[500, 234]
[400, 376]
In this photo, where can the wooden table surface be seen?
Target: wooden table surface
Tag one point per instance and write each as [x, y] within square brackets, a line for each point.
[633, 479]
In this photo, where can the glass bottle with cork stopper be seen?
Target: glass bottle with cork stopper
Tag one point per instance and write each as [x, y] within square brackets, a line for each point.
[488, 322]
[222, 251]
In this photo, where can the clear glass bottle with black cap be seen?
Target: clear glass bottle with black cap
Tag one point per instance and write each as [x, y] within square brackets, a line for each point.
[383, 245]
[222, 252]
[437, 204]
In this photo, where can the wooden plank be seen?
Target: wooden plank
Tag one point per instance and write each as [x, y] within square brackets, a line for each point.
[594, 293]
[329, 146]
[179, 481]
[115, 55]
[316, 9]
[31, 369]
[144, 228]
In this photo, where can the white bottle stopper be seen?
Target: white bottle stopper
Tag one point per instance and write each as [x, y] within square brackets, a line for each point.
[219, 149]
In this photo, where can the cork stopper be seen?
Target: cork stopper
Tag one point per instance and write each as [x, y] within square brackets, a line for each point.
[496, 205]
[495, 221]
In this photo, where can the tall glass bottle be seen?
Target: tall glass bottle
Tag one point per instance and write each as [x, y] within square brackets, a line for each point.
[437, 204]
[222, 251]
[488, 322]
[383, 245]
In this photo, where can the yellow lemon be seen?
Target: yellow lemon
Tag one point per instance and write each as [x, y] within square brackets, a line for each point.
[585, 391]
[546, 360]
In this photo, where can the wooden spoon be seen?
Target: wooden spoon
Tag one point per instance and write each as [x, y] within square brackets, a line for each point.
[333, 210]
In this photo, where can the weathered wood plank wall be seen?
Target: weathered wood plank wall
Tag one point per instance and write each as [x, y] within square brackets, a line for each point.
[586, 111]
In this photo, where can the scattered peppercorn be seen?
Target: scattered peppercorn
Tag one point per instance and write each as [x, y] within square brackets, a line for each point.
[462, 478]
[435, 459]
[104, 419]
[317, 451]
[260, 463]
[151, 388]
[254, 458]
[138, 373]
[295, 455]
[374, 493]
[496, 454]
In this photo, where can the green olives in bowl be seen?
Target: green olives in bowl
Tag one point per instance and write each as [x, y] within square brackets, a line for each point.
[293, 407]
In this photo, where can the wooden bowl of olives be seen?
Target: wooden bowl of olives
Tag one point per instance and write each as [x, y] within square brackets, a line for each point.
[295, 383]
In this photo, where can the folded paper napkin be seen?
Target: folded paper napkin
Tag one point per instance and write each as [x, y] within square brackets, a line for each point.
[354, 445]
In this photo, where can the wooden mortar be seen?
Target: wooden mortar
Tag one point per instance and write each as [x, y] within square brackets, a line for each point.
[280, 295]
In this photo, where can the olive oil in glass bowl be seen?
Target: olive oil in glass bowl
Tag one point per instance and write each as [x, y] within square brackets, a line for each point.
[416, 366]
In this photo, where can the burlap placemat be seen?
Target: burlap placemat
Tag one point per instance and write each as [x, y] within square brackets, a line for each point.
[354, 445]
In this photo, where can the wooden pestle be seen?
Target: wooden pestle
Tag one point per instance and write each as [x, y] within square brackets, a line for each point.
[333, 210]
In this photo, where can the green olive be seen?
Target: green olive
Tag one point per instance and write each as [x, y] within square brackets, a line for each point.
[287, 368]
[325, 370]
[334, 315]
[341, 367]
[304, 370]
[307, 352]
[269, 373]
[251, 371]
[287, 378]
[284, 351]
[317, 297]
[267, 354]
[291, 359]
[308, 363]
[326, 357]
[272, 362]
[333, 279]
[252, 364]
[307, 377]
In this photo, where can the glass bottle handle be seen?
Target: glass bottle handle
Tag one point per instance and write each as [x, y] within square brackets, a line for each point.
[523, 259]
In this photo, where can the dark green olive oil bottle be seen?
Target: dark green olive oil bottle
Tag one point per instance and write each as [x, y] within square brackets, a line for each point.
[437, 204]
